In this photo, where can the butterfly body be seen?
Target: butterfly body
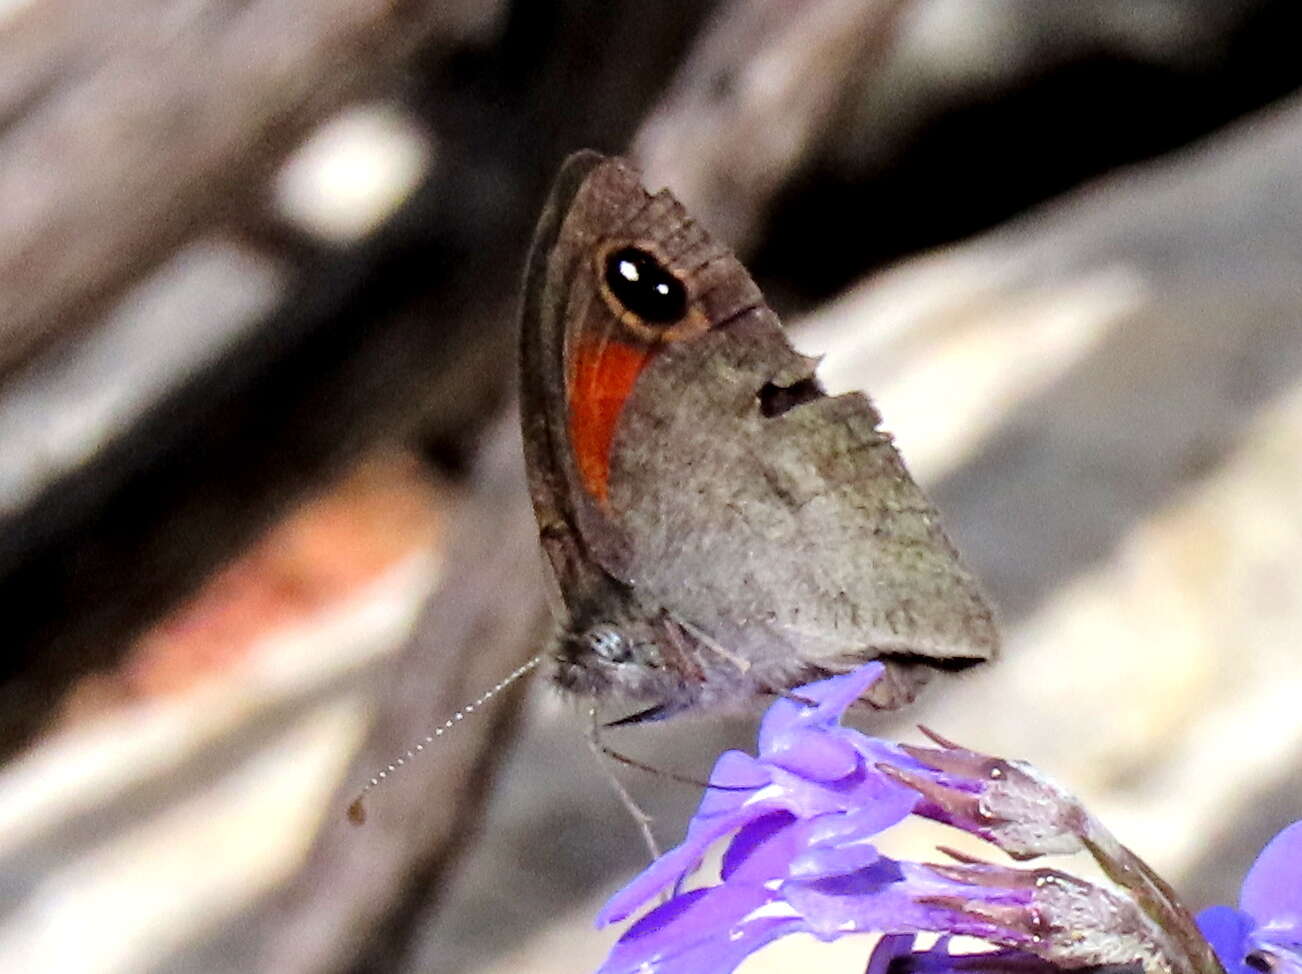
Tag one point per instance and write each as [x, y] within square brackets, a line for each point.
[718, 527]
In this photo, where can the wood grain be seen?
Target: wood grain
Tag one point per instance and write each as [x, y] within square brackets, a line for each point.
[120, 139]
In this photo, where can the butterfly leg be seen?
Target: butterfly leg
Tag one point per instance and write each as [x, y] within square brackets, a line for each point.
[640, 817]
[743, 665]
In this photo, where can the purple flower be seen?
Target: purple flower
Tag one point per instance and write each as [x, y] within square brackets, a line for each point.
[1007, 803]
[898, 953]
[800, 822]
[1265, 934]
[1070, 922]
[802, 816]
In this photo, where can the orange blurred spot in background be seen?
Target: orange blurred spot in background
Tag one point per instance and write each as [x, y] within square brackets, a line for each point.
[328, 548]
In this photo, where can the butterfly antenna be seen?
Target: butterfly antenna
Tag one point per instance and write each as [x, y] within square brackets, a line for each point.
[357, 809]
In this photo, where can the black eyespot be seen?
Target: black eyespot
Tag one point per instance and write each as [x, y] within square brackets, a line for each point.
[644, 287]
[1259, 960]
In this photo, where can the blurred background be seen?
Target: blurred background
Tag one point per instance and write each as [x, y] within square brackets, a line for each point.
[263, 516]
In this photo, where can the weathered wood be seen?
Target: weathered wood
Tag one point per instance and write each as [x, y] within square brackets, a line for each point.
[405, 335]
[753, 98]
[93, 550]
[123, 135]
[1173, 286]
[362, 351]
[363, 887]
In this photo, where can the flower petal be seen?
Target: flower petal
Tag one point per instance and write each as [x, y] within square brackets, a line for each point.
[1272, 890]
[890, 948]
[832, 697]
[721, 811]
[876, 801]
[835, 845]
[761, 850]
[1272, 954]
[835, 861]
[874, 899]
[712, 929]
[1227, 929]
[812, 753]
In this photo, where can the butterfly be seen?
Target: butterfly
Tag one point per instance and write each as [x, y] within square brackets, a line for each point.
[718, 528]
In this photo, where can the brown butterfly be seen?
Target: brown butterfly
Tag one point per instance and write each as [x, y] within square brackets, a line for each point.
[719, 528]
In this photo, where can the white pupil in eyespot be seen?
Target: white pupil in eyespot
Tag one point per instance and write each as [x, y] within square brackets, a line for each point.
[628, 271]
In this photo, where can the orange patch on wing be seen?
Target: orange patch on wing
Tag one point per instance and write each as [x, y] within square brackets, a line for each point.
[602, 380]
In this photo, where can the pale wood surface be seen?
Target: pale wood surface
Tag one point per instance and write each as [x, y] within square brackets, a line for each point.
[1101, 394]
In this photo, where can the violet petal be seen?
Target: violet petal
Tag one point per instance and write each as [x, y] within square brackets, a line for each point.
[721, 811]
[890, 948]
[839, 844]
[1227, 929]
[889, 897]
[812, 753]
[762, 849]
[711, 929]
[1272, 890]
[832, 697]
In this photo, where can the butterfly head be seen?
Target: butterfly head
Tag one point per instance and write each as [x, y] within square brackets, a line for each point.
[609, 654]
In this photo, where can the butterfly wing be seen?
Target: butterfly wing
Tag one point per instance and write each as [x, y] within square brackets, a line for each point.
[685, 463]
[792, 534]
[577, 537]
